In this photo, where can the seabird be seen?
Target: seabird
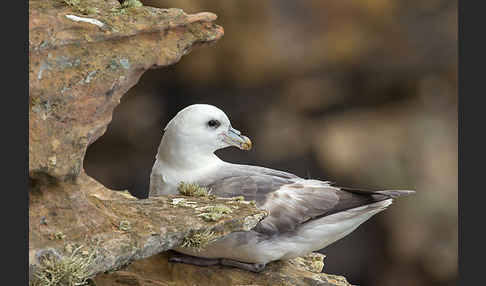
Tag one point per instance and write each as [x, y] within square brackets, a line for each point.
[305, 215]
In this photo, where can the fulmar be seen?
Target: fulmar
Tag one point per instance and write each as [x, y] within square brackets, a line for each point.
[305, 215]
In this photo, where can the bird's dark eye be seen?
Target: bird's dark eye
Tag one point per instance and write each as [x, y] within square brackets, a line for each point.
[213, 123]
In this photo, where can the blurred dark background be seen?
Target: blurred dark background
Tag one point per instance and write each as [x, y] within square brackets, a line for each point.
[359, 92]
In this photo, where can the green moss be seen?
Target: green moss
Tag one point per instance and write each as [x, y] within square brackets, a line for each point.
[127, 4]
[192, 190]
[117, 11]
[60, 235]
[131, 3]
[211, 216]
[34, 101]
[72, 2]
[124, 225]
[198, 240]
[214, 213]
[90, 10]
[220, 209]
[75, 5]
[70, 271]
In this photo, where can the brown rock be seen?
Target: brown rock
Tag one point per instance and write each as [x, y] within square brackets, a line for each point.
[116, 228]
[80, 66]
[156, 270]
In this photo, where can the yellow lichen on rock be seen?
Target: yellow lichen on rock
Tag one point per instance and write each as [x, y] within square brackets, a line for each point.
[70, 270]
[214, 213]
[199, 239]
[192, 190]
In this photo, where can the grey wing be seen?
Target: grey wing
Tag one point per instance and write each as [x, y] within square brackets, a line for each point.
[295, 204]
[252, 182]
[290, 200]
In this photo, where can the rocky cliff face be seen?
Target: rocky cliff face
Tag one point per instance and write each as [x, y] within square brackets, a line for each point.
[83, 56]
[83, 59]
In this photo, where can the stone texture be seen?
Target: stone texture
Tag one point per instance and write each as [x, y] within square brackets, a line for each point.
[158, 271]
[117, 227]
[78, 71]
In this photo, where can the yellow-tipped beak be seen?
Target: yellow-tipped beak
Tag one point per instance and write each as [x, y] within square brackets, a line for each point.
[234, 138]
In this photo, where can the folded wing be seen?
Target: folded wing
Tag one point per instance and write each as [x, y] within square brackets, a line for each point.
[291, 201]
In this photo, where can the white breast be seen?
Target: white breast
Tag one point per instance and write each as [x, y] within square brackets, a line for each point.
[165, 179]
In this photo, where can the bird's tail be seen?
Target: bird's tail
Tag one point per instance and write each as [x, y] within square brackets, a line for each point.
[396, 193]
[388, 193]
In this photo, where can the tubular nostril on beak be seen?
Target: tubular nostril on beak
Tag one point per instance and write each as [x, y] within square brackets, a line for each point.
[235, 131]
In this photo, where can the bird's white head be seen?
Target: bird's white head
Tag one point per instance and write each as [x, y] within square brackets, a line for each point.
[203, 128]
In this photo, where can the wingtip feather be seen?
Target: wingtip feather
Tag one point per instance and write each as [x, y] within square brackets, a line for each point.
[397, 193]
